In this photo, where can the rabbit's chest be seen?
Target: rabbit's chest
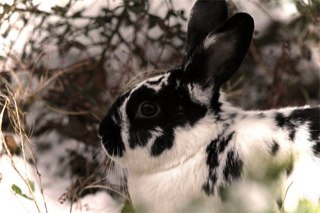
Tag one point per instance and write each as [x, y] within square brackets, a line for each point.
[172, 189]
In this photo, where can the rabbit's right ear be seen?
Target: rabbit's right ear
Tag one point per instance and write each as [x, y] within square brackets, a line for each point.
[221, 53]
[206, 16]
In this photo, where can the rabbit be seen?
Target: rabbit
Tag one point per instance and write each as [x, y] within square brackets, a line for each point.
[179, 140]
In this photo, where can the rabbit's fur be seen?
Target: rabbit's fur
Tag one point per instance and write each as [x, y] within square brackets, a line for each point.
[180, 141]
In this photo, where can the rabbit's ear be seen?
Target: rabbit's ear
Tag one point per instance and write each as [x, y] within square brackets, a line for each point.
[221, 52]
[206, 16]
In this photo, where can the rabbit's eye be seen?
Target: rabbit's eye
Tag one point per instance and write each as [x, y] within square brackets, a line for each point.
[148, 109]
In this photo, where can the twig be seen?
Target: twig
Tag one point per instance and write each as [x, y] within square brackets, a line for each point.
[15, 118]
[65, 112]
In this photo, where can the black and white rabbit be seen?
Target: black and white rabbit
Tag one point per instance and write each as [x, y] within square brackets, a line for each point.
[179, 140]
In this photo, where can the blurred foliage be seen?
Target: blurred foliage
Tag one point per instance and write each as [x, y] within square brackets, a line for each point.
[128, 208]
[117, 35]
[306, 207]
[281, 69]
[74, 63]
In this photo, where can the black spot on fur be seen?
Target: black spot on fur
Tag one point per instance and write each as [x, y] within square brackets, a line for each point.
[310, 115]
[285, 122]
[215, 104]
[216, 147]
[298, 117]
[280, 119]
[292, 134]
[224, 142]
[290, 168]
[162, 143]
[233, 167]
[279, 203]
[110, 131]
[209, 185]
[274, 148]
[212, 162]
[212, 150]
[114, 145]
[138, 138]
[316, 148]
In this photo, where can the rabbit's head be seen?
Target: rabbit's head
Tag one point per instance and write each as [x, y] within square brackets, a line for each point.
[167, 118]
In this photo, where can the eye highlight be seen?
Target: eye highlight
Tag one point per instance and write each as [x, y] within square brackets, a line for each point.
[148, 109]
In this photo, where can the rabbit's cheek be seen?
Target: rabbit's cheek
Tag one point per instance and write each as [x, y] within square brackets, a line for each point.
[111, 138]
[113, 145]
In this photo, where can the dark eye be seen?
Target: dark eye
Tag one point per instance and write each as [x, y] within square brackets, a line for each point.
[148, 109]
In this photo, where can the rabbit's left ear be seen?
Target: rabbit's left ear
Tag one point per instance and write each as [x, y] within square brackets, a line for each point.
[221, 53]
[206, 16]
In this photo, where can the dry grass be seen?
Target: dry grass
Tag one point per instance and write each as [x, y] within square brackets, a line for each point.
[20, 91]
[11, 109]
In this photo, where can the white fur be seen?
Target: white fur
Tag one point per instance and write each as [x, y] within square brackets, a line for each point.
[199, 95]
[168, 182]
[164, 191]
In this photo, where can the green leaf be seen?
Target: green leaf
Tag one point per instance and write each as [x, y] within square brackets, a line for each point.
[307, 206]
[128, 208]
[16, 189]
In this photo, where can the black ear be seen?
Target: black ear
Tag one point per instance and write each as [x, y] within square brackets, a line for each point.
[206, 16]
[221, 52]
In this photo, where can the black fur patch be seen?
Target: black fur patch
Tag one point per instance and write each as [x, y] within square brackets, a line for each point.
[280, 119]
[274, 148]
[110, 130]
[285, 122]
[311, 115]
[292, 134]
[224, 142]
[216, 147]
[209, 185]
[290, 168]
[233, 167]
[212, 162]
[113, 145]
[298, 117]
[279, 203]
[316, 148]
[176, 109]
[138, 138]
[162, 143]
